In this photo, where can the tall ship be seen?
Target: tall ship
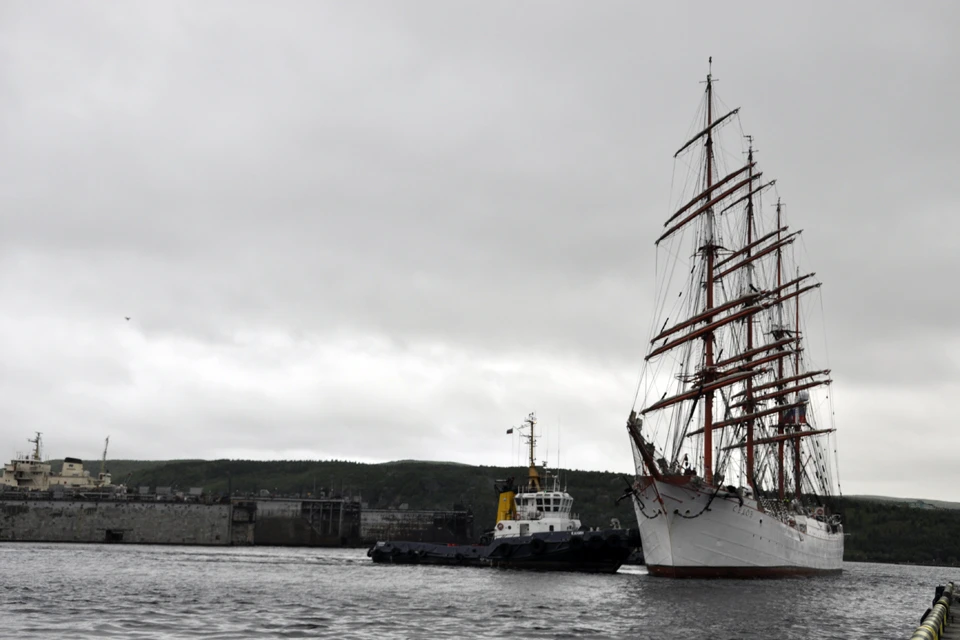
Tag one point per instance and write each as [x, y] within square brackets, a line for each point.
[731, 424]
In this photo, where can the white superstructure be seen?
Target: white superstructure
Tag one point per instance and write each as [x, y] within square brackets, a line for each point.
[540, 512]
[28, 472]
[532, 509]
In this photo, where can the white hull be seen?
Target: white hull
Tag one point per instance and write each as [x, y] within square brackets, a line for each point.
[728, 539]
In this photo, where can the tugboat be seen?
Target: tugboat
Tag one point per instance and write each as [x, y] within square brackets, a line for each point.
[536, 529]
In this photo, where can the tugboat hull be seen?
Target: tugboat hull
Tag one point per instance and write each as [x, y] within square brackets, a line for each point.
[589, 552]
[586, 552]
[428, 553]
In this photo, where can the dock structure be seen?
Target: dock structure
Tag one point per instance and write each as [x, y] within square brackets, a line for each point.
[166, 516]
[936, 621]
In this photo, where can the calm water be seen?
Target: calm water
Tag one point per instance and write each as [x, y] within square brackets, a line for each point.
[98, 591]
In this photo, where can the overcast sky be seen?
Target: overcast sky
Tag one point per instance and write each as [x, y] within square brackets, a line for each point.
[388, 230]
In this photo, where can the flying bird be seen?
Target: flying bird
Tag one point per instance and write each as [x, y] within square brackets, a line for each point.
[127, 317]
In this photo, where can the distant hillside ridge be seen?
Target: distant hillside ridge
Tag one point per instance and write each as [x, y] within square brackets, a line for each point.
[914, 502]
[418, 484]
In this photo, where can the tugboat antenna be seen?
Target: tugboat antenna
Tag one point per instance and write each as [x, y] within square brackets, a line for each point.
[559, 480]
[534, 476]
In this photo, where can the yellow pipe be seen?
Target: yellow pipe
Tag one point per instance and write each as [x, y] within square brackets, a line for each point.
[934, 623]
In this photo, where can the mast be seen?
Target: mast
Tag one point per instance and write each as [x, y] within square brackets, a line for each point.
[742, 367]
[748, 408]
[778, 335]
[36, 446]
[796, 371]
[710, 250]
[103, 460]
[534, 475]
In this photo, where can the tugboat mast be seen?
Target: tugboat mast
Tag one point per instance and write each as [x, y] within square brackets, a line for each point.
[534, 476]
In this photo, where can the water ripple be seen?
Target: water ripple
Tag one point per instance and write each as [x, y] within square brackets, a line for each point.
[111, 591]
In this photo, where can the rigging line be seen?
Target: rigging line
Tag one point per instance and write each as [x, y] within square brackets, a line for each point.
[677, 387]
[743, 136]
[726, 158]
[673, 178]
[836, 465]
[685, 364]
[821, 468]
[826, 347]
[694, 126]
[660, 304]
[663, 292]
[649, 376]
[716, 97]
[692, 173]
[653, 327]
[688, 158]
[833, 414]
[697, 118]
[724, 456]
[642, 506]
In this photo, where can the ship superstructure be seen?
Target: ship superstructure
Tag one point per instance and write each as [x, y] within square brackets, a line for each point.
[28, 472]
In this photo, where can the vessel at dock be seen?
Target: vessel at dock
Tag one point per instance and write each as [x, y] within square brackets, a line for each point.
[28, 472]
[734, 459]
[41, 504]
[536, 529]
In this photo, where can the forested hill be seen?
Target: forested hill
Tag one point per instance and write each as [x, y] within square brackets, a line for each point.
[878, 529]
[420, 485]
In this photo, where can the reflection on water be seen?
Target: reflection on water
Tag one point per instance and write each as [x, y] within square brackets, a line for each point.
[104, 591]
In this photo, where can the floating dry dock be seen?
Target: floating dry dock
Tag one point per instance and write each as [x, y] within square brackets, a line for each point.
[167, 519]
[164, 517]
[39, 504]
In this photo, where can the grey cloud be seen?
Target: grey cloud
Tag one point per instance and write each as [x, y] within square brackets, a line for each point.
[487, 176]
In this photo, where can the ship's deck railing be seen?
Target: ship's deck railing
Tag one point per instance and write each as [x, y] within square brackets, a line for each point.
[104, 496]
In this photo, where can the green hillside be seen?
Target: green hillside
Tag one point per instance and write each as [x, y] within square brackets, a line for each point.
[893, 531]
[121, 470]
[420, 485]
[878, 529]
